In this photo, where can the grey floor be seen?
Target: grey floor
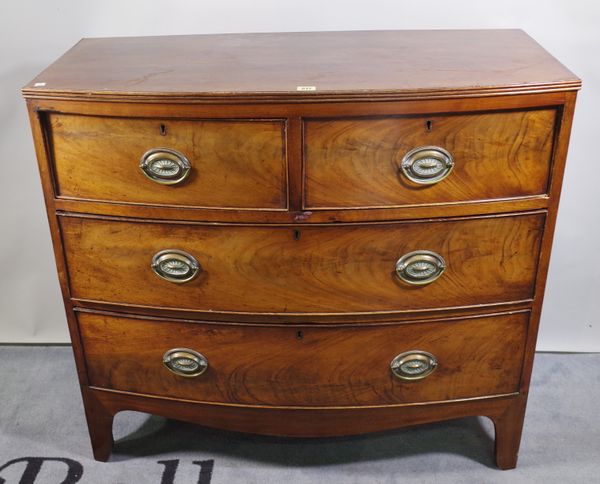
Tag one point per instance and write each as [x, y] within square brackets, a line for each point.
[41, 416]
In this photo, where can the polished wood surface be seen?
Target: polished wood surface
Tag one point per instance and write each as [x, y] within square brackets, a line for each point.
[306, 365]
[332, 269]
[301, 318]
[506, 412]
[496, 231]
[356, 162]
[295, 114]
[235, 164]
[304, 216]
[272, 65]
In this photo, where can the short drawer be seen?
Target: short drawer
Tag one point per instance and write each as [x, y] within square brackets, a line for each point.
[198, 163]
[398, 161]
[306, 365]
[303, 269]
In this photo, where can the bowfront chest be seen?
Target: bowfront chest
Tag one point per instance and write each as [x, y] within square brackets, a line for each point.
[304, 234]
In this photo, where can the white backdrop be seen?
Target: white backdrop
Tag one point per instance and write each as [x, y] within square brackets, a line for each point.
[34, 33]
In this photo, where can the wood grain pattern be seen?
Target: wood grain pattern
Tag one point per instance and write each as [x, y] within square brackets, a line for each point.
[508, 427]
[335, 269]
[306, 365]
[304, 217]
[298, 422]
[356, 162]
[295, 112]
[376, 107]
[270, 66]
[235, 164]
[382, 317]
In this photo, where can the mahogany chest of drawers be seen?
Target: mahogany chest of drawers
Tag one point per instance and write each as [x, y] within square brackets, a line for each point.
[307, 234]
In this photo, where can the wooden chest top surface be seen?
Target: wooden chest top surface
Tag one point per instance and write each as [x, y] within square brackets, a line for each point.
[396, 64]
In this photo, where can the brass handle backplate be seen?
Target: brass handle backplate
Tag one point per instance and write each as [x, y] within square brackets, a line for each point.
[420, 267]
[413, 365]
[427, 165]
[165, 166]
[175, 266]
[185, 362]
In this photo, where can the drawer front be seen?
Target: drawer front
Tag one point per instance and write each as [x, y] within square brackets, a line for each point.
[307, 269]
[307, 365]
[358, 162]
[233, 163]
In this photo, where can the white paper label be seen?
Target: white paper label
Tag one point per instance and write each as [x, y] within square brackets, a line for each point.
[306, 88]
[39, 84]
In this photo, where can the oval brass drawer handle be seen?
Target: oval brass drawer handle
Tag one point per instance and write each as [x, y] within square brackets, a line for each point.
[420, 267]
[165, 166]
[413, 365]
[175, 265]
[185, 362]
[427, 164]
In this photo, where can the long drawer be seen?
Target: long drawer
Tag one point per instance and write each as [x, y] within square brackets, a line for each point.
[198, 163]
[306, 365]
[303, 269]
[395, 161]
